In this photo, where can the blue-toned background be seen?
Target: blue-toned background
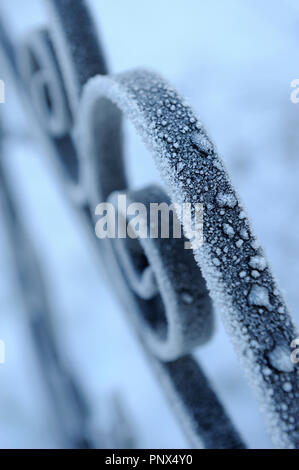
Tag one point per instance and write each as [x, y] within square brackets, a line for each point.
[234, 61]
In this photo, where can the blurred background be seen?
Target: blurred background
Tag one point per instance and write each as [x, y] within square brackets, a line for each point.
[234, 62]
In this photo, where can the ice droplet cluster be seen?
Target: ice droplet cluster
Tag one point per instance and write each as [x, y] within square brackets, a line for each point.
[233, 263]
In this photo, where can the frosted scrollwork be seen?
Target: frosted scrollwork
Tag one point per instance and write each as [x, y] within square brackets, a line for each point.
[232, 262]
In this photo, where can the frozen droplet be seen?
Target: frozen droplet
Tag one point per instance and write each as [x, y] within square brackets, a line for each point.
[258, 262]
[180, 167]
[244, 234]
[255, 274]
[259, 296]
[287, 386]
[187, 298]
[228, 230]
[255, 244]
[216, 262]
[280, 358]
[254, 344]
[201, 142]
[226, 200]
[267, 371]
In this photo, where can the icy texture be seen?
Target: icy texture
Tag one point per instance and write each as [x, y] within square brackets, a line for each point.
[194, 172]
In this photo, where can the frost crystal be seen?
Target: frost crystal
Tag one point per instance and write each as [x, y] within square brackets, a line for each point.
[255, 274]
[259, 296]
[226, 200]
[258, 262]
[280, 358]
[228, 230]
[201, 142]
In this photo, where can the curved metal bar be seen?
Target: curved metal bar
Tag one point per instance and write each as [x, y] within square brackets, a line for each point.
[42, 78]
[201, 414]
[238, 276]
[178, 315]
[170, 322]
[76, 42]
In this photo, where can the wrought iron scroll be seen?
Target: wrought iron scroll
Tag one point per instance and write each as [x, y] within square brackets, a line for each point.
[167, 292]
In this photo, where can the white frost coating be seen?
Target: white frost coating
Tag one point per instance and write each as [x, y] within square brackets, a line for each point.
[194, 173]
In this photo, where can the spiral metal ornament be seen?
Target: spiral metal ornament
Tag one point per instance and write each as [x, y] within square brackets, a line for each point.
[233, 264]
[170, 293]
